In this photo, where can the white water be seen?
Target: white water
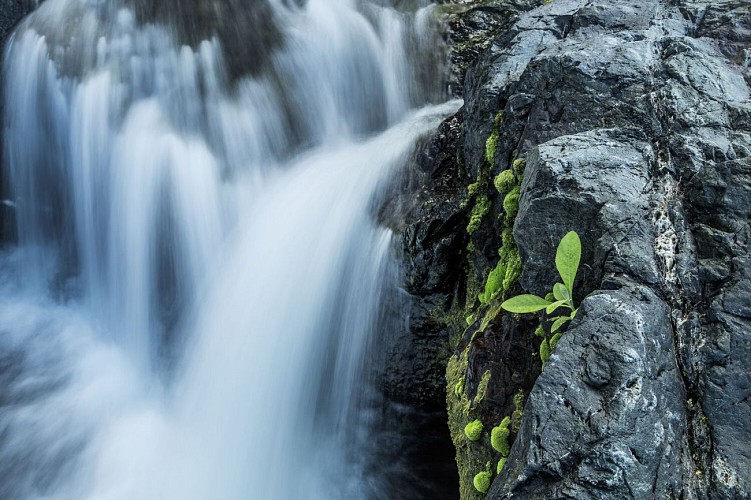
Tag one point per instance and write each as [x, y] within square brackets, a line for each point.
[191, 309]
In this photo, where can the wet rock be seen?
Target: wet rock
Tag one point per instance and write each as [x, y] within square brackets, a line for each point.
[634, 118]
[11, 13]
[471, 26]
[432, 248]
[602, 179]
[606, 419]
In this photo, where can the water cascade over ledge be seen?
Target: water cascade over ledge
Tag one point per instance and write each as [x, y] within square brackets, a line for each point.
[191, 310]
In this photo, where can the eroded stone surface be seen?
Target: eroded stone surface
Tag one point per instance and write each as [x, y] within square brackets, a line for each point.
[635, 122]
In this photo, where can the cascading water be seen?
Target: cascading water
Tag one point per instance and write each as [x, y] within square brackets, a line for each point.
[190, 310]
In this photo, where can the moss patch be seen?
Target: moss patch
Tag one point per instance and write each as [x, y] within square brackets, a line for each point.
[482, 481]
[491, 144]
[516, 417]
[480, 210]
[544, 352]
[473, 430]
[501, 464]
[471, 456]
[499, 437]
[511, 204]
[509, 266]
[494, 283]
[505, 181]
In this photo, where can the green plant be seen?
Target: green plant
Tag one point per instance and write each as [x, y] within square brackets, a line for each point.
[567, 259]
[473, 430]
[482, 481]
[499, 437]
[505, 181]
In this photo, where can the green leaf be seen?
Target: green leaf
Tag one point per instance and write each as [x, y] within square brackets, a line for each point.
[567, 259]
[573, 313]
[544, 352]
[539, 331]
[525, 304]
[560, 292]
[555, 305]
[558, 323]
[554, 341]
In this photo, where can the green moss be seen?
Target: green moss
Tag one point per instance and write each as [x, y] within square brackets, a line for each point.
[519, 165]
[540, 331]
[470, 456]
[490, 146]
[501, 464]
[554, 341]
[482, 388]
[505, 181]
[482, 481]
[473, 430]
[494, 283]
[544, 352]
[507, 237]
[513, 269]
[490, 315]
[480, 210]
[499, 437]
[511, 204]
[518, 414]
[459, 387]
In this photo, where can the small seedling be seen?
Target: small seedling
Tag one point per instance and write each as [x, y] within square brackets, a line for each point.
[567, 260]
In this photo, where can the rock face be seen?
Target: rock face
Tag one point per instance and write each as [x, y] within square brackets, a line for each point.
[11, 12]
[634, 118]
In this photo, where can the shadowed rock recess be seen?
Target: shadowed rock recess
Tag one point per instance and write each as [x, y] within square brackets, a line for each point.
[633, 120]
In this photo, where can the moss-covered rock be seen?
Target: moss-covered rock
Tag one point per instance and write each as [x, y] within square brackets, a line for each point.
[482, 481]
[544, 352]
[501, 464]
[516, 417]
[499, 437]
[505, 181]
[473, 430]
[464, 414]
[511, 204]
[494, 283]
[480, 210]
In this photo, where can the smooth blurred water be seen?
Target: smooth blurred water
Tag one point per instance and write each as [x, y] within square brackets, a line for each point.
[192, 308]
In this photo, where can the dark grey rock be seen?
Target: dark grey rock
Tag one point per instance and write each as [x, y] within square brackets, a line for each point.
[606, 419]
[11, 12]
[593, 184]
[432, 247]
[635, 121]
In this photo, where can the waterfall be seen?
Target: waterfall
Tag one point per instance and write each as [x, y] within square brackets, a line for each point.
[192, 308]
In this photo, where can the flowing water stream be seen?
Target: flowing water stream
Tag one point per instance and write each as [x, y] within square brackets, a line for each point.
[191, 309]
